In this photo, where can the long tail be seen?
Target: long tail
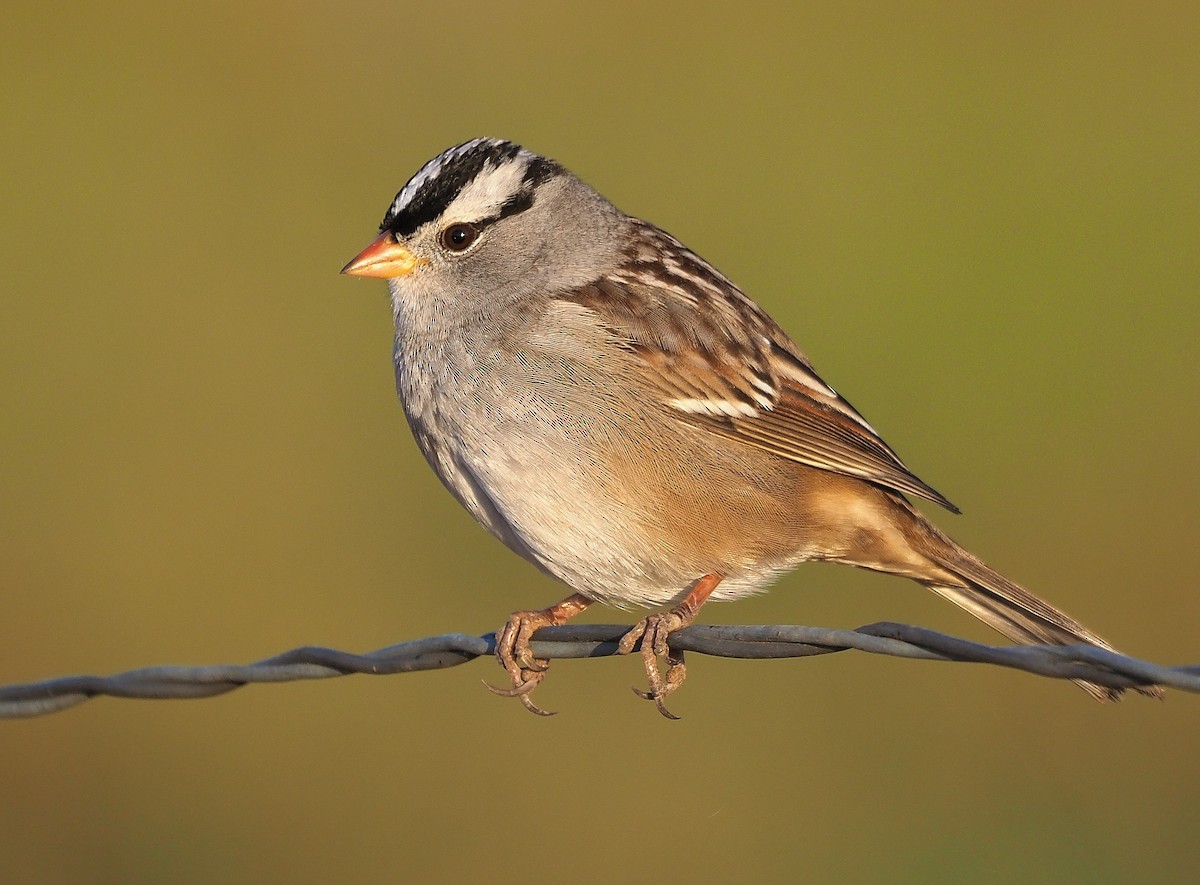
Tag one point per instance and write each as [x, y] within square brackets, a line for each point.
[1003, 605]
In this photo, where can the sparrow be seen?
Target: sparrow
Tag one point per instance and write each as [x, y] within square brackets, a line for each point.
[619, 413]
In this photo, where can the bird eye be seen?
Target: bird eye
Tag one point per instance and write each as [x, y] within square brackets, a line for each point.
[459, 237]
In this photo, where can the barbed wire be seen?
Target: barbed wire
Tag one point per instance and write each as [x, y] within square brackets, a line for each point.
[590, 641]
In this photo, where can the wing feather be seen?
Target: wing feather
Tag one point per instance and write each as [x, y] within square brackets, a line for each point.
[720, 363]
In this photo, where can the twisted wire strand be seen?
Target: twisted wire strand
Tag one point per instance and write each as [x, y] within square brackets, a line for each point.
[591, 641]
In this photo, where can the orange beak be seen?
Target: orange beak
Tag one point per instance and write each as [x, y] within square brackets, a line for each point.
[383, 258]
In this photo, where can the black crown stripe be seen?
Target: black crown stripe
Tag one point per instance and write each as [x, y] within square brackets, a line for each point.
[436, 194]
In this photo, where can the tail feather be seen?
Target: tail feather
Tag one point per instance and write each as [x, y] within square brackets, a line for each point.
[1021, 628]
[1007, 607]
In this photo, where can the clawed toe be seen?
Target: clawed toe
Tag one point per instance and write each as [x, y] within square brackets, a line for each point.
[517, 688]
[522, 691]
[659, 692]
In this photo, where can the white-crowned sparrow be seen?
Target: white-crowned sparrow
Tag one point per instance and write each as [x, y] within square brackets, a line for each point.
[611, 407]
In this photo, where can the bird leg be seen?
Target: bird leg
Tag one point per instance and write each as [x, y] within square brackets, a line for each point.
[653, 632]
[512, 648]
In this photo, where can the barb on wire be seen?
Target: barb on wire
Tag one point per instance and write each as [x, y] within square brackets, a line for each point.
[589, 641]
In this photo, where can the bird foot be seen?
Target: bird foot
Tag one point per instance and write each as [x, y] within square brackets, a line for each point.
[653, 632]
[525, 672]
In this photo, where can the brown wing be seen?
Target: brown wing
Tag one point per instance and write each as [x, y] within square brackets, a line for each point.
[722, 364]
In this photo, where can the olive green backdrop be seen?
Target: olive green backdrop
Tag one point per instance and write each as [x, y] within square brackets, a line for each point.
[982, 221]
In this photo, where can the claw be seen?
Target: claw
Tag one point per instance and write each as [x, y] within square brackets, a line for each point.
[533, 708]
[658, 702]
[513, 691]
[521, 691]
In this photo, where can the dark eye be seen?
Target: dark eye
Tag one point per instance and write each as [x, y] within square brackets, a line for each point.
[459, 237]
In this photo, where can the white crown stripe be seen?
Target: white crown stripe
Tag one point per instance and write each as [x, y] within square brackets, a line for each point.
[488, 191]
[433, 169]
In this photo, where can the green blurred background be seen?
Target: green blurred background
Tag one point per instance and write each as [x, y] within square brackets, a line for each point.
[982, 221]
